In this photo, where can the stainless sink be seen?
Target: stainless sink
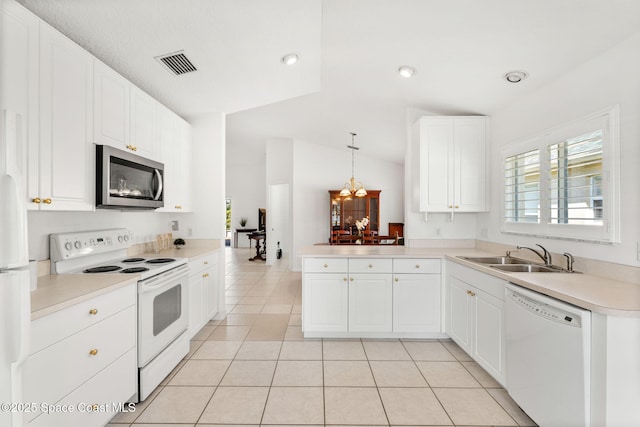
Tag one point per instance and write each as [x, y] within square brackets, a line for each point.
[495, 260]
[527, 268]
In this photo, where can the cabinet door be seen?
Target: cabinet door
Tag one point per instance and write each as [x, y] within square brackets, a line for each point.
[66, 172]
[416, 303]
[436, 163]
[144, 124]
[175, 143]
[489, 334]
[19, 59]
[469, 164]
[370, 303]
[196, 303]
[111, 107]
[325, 302]
[210, 287]
[459, 321]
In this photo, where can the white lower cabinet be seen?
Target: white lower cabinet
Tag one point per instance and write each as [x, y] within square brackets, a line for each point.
[416, 295]
[364, 297]
[476, 317]
[325, 302]
[83, 356]
[370, 303]
[203, 291]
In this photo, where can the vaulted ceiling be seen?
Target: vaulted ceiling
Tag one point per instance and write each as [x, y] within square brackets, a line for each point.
[346, 79]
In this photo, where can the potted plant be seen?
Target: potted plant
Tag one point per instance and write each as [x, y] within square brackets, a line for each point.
[243, 222]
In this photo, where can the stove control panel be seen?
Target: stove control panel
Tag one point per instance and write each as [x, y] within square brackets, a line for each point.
[65, 246]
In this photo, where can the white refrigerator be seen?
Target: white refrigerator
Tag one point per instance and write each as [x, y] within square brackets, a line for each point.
[15, 292]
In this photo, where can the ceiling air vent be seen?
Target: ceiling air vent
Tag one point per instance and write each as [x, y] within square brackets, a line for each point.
[177, 63]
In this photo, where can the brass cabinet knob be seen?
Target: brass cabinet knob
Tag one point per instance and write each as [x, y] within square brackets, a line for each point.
[457, 206]
[417, 265]
[344, 279]
[206, 262]
[450, 206]
[205, 275]
[93, 351]
[370, 265]
[93, 311]
[47, 201]
[396, 279]
[36, 200]
[326, 265]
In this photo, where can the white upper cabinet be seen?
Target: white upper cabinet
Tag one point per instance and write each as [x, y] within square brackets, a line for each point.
[110, 107]
[19, 89]
[144, 124]
[175, 150]
[66, 165]
[452, 163]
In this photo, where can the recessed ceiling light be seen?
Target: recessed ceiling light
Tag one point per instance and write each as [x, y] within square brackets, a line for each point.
[515, 76]
[289, 59]
[406, 71]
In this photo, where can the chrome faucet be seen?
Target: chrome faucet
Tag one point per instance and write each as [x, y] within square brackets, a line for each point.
[545, 256]
[569, 261]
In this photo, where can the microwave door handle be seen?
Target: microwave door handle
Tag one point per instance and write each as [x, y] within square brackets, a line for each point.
[159, 192]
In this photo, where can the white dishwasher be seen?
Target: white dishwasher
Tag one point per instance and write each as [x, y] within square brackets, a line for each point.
[548, 358]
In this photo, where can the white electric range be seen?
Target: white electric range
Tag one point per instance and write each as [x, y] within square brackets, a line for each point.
[162, 294]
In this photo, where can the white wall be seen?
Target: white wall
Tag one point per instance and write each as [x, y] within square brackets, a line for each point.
[318, 169]
[208, 177]
[608, 79]
[143, 225]
[245, 177]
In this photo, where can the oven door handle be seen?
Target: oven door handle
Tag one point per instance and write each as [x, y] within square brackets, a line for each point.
[158, 176]
[163, 279]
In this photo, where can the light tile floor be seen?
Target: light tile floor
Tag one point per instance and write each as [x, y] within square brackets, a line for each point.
[255, 368]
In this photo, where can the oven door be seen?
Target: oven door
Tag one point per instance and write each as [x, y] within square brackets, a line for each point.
[162, 312]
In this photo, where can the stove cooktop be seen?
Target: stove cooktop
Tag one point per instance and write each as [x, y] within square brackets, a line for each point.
[135, 265]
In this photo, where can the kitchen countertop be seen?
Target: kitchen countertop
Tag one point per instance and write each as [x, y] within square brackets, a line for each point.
[595, 293]
[57, 292]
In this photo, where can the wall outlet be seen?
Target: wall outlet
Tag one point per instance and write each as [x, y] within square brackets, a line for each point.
[175, 226]
[189, 232]
[437, 231]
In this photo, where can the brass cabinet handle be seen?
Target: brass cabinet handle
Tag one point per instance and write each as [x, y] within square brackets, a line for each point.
[471, 293]
[132, 147]
[93, 311]
[93, 351]
[47, 201]
[36, 200]
[205, 275]
[178, 206]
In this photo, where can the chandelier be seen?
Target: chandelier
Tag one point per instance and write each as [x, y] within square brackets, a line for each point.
[353, 187]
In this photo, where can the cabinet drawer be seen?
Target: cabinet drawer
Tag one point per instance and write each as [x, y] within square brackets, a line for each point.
[55, 371]
[202, 263]
[370, 265]
[325, 265]
[59, 325]
[491, 285]
[416, 265]
[108, 389]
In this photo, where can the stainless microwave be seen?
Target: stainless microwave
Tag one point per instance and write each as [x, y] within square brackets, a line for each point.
[127, 181]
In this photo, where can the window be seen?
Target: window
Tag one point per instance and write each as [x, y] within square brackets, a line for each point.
[564, 182]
